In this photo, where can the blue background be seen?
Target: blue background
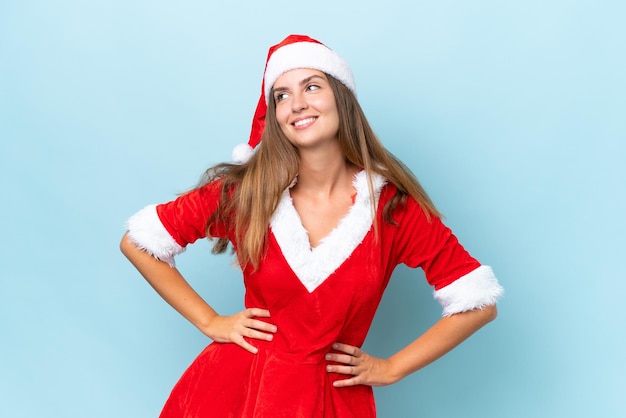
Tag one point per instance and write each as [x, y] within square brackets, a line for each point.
[511, 113]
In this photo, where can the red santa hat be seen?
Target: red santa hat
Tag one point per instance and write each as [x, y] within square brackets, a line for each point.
[295, 51]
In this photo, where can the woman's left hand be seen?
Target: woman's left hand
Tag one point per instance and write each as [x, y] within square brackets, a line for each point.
[363, 368]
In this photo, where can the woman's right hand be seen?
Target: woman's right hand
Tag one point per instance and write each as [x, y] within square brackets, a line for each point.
[233, 328]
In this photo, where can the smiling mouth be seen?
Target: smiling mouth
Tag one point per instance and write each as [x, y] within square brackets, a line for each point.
[303, 122]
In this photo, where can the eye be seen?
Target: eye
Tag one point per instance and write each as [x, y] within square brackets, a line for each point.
[280, 97]
[312, 87]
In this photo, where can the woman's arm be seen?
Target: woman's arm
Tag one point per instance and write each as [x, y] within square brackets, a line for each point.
[442, 337]
[175, 290]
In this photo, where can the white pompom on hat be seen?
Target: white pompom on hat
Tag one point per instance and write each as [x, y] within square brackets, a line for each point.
[295, 51]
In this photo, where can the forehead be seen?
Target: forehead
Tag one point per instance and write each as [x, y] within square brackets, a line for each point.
[296, 76]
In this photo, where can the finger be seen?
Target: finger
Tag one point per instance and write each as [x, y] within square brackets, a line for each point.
[241, 342]
[258, 312]
[248, 329]
[353, 381]
[349, 370]
[251, 333]
[341, 358]
[349, 349]
[261, 325]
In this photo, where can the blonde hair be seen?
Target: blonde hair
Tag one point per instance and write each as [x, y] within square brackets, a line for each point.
[251, 191]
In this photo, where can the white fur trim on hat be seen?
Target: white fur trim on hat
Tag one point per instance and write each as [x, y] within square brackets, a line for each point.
[475, 290]
[147, 232]
[307, 55]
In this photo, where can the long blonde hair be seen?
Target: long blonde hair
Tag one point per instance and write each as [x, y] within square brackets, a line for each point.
[251, 191]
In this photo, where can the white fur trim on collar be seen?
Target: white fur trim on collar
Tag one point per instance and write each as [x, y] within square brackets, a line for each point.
[475, 290]
[314, 265]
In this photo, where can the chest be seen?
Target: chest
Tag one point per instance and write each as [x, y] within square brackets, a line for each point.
[320, 216]
[330, 298]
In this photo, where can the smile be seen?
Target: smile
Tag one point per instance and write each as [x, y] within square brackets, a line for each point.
[304, 122]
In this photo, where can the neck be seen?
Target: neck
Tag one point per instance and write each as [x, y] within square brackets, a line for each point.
[324, 172]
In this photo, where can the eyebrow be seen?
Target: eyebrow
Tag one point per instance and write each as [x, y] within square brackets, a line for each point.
[302, 82]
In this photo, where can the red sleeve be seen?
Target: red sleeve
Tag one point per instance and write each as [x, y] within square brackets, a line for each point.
[429, 244]
[185, 218]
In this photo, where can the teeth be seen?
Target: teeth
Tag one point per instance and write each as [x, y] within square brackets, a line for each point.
[303, 122]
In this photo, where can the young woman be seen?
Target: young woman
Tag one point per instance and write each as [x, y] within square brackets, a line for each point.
[319, 216]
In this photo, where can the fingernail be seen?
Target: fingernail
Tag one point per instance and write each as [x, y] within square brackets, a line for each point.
[329, 368]
[269, 337]
[327, 357]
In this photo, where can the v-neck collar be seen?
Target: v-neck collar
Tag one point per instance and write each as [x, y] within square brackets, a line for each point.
[313, 266]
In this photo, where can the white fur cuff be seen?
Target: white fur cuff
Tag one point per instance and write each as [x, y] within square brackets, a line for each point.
[147, 232]
[477, 289]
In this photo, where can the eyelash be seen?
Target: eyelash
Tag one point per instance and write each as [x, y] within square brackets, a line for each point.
[281, 96]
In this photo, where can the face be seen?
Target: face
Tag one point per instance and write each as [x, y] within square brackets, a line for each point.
[306, 109]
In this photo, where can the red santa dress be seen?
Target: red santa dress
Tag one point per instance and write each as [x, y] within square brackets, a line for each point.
[316, 296]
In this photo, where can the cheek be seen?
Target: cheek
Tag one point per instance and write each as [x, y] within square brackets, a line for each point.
[282, 115]
[334, 113]
[330, 106]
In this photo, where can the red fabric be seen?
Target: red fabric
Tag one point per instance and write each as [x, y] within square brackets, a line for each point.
[287, 378]
[431, 246]
[186, 217]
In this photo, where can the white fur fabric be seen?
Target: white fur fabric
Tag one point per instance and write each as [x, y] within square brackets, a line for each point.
[147, 232]
[307, 55]
[475, 290]
[314, 265]
[242, 153]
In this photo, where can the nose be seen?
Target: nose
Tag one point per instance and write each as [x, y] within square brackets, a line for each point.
[298, 102]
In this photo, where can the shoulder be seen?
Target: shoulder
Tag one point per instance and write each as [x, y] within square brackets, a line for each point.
[403, 206]
[213, 187]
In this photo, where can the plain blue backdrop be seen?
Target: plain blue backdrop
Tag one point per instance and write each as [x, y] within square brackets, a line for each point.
[511, 113]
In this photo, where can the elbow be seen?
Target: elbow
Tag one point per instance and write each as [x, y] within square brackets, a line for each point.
[490, 312]
[126, 245]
